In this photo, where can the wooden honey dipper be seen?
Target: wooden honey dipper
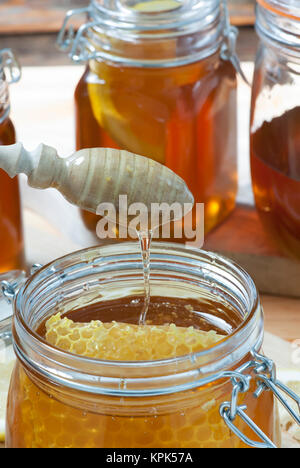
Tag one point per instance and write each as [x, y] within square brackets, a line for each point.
[92, 176]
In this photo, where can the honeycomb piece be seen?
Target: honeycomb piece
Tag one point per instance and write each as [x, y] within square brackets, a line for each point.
[126, 342]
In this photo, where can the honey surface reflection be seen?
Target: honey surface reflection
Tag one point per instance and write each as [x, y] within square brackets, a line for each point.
[275, 165]
[11, 240]
[41, 415]
[183, 117]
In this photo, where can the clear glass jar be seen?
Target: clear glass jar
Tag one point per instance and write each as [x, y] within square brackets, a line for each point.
[160, 82]
[7, 356]
[275, 121]
[11, 235]
[58, 399]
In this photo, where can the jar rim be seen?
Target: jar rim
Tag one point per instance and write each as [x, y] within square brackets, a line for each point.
[187, 12]
[39, 355]
[278, 24]
[195, 30]
[282, 7]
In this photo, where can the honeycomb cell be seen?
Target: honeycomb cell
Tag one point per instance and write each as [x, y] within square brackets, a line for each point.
[186, 433]
[122, 341]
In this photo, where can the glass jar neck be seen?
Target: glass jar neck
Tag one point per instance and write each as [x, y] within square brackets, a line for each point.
[278, 23]
[172, 33]
[78, 279]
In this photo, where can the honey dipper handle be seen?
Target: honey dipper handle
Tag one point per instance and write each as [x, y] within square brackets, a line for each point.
[92, 176]
[10, 157]
[40, 165]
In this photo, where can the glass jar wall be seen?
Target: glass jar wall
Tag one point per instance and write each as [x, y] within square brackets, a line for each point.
[58, 399]
[11, 237]
[7, 356]
[156, 85]
[275, 122]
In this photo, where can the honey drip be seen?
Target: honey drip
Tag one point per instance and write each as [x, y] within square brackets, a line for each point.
[145, 244]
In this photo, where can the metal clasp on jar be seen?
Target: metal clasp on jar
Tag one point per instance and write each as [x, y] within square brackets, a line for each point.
[265, 371]
[81, 48]
[10, 284]
[10, 65]
[76, 42]
[228, 49]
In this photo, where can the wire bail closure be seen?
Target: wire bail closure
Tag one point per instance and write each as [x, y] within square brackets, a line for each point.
[228, 49]
[10, 284]
[75, 42]
[265, 371]
[11, 66]
[81, 50]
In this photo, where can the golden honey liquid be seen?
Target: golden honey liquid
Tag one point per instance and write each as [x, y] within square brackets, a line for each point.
[184, 117]
[275, 165]
[42, 415]
[145, 239]
[11, 238]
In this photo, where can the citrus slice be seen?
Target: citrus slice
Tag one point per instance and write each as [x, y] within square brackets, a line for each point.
[126, 342]
[156, 6]
[7, 360]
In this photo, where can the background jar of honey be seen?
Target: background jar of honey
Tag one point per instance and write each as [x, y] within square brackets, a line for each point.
[11, 237]
[59, 399]
[160, 83]
[275, 121]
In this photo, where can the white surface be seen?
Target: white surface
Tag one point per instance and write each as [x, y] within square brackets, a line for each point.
[43, 112]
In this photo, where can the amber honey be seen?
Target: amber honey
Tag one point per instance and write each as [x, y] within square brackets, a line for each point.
[184, 117]
[42, 415]
[275, 156]
[11, 239]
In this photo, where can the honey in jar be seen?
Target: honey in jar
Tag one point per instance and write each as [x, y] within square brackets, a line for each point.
[275, 124]
[11, 237]
[275, 166]
[89, 376]
[158, 84]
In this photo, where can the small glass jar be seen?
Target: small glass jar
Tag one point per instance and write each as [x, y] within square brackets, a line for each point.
[160, 82]
[275, 121]
[58, 399]
[11, 235]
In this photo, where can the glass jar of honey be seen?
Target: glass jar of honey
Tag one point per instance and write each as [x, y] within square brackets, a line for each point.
[161, 82]
[275, 121]
[11, 237]
[216, 397]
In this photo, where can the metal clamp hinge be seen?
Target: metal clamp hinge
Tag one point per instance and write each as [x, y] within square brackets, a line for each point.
[75, 42]
[228, 49]
[10, 65]
[265, 373]
[11, 283]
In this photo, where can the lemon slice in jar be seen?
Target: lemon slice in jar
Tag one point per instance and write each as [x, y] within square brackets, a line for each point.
[7, 360]
[156, 6]
[126, 342]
